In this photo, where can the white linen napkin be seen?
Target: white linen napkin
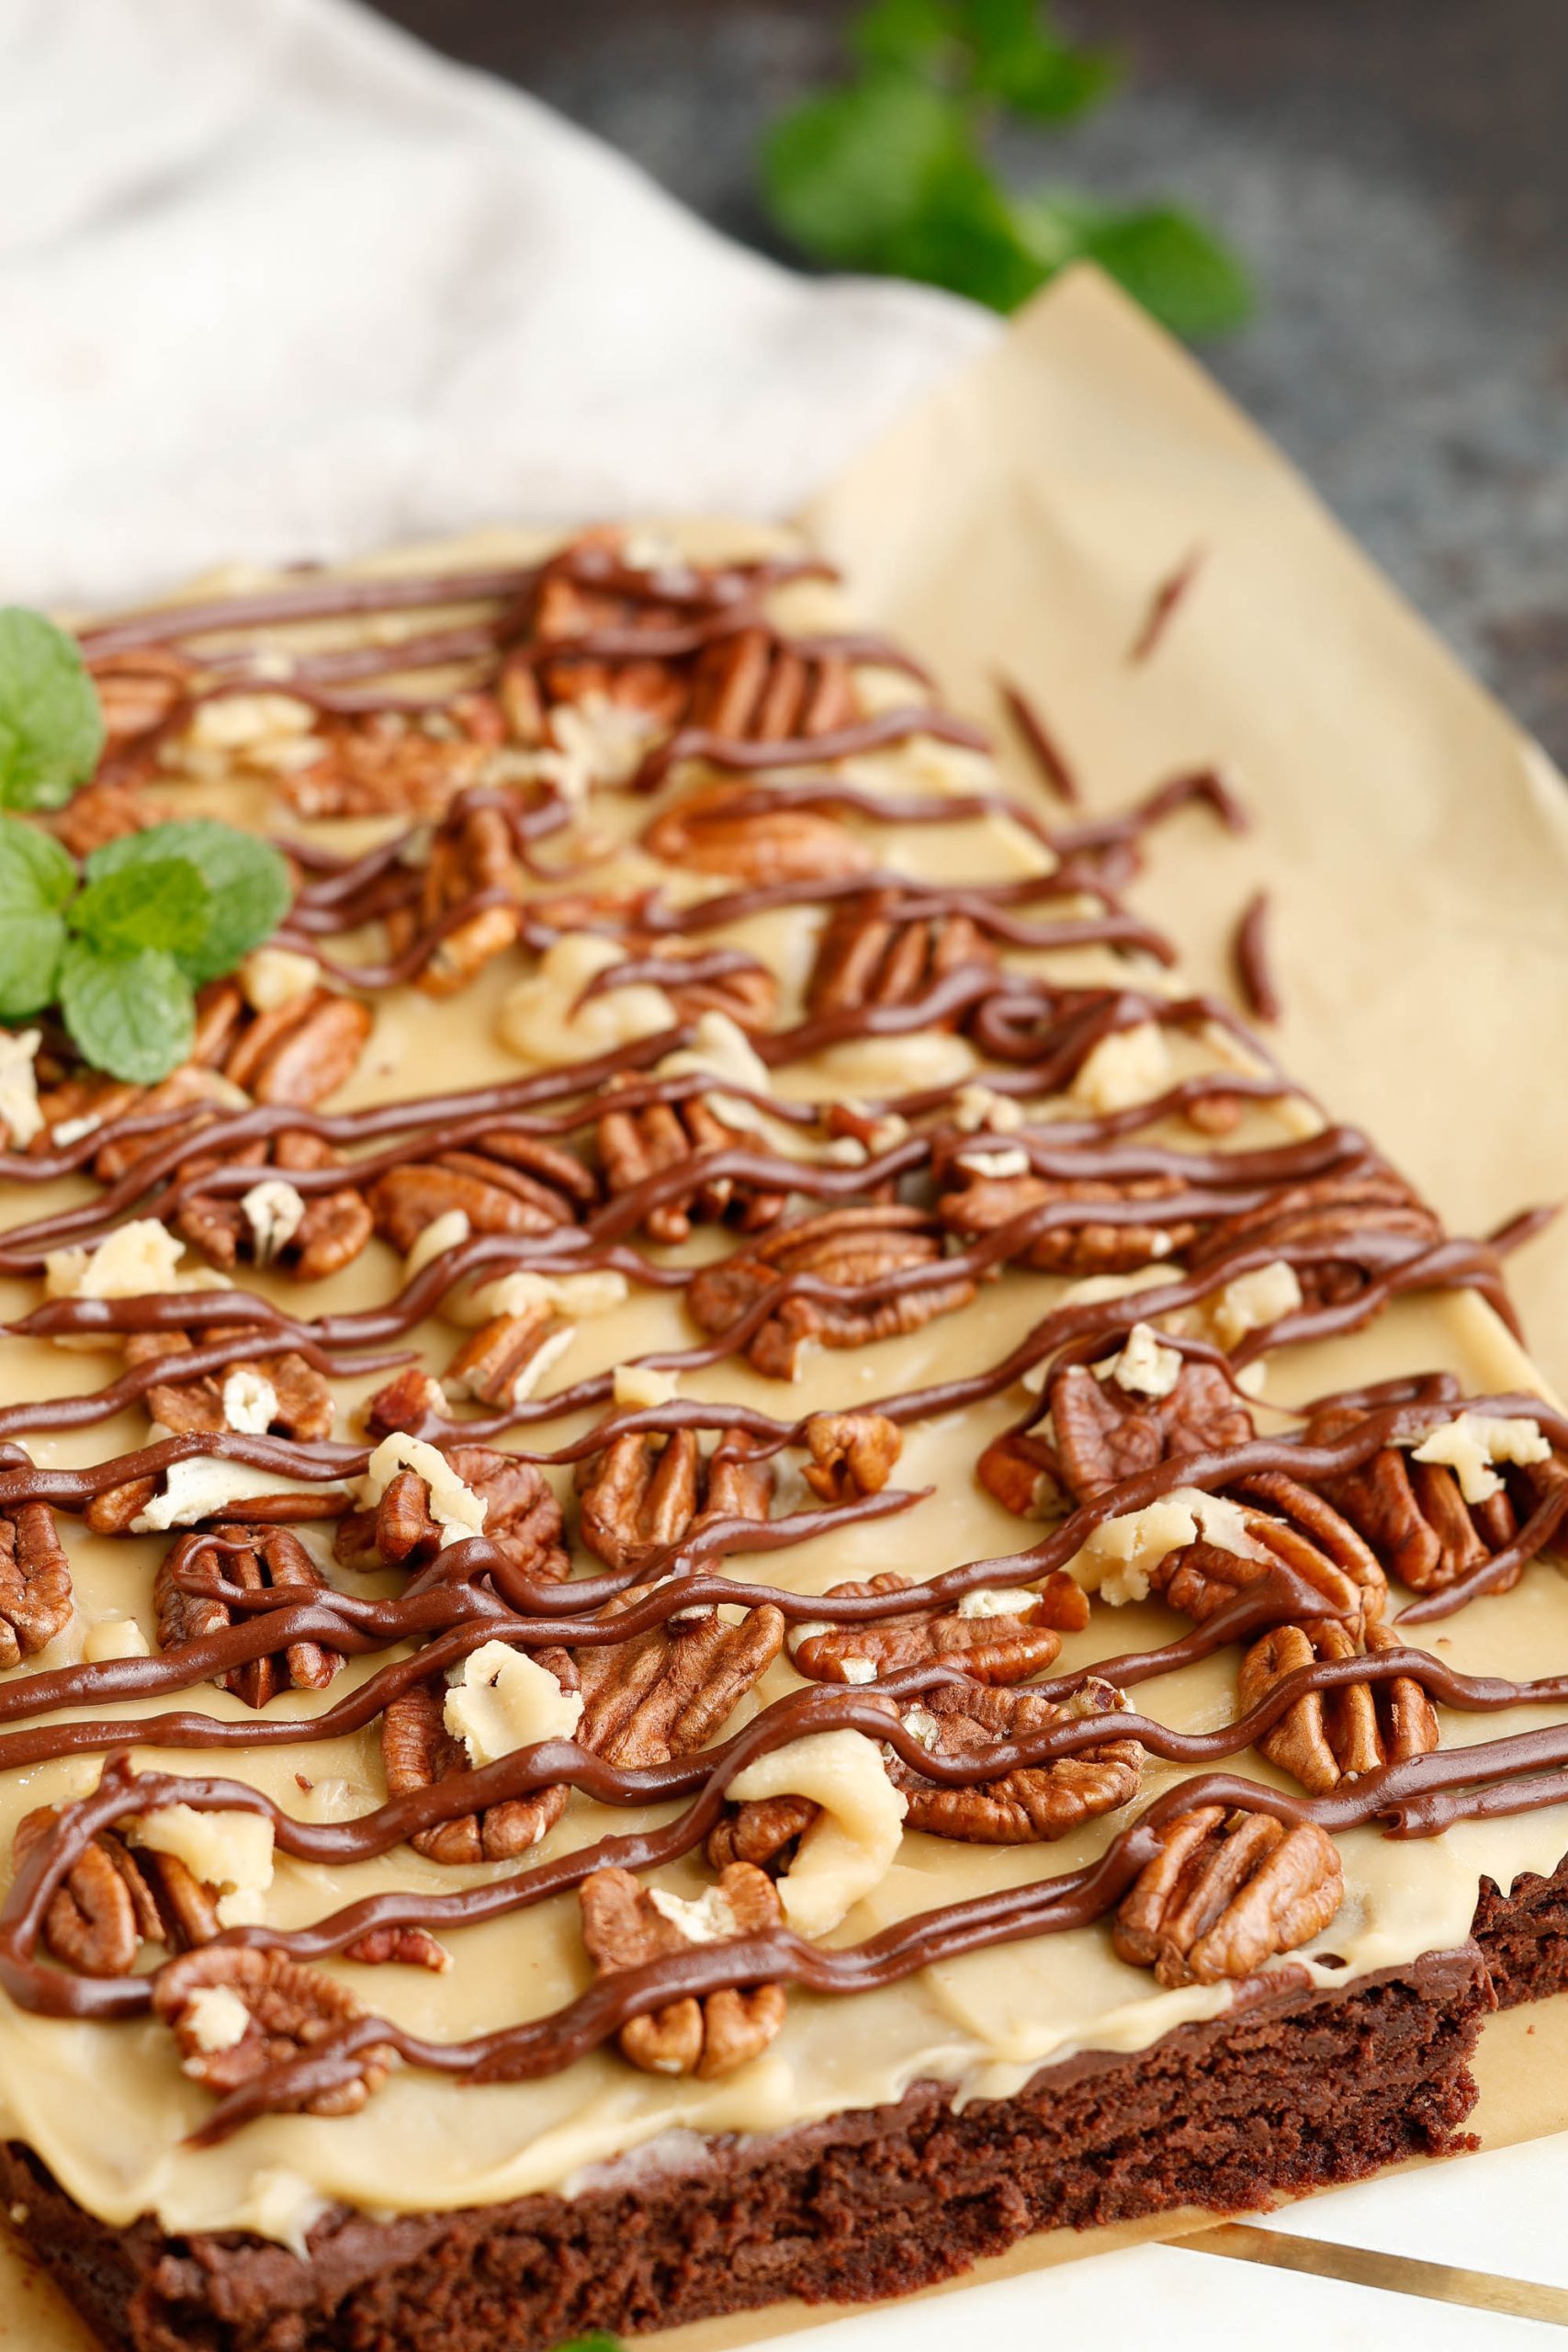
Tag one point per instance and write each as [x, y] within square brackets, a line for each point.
[277, 282]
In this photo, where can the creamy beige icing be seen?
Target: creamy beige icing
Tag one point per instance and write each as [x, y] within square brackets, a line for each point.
[107, 2106]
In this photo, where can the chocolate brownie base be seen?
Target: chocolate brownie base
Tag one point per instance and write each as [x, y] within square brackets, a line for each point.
[1523, 1936]
[1284, 2096]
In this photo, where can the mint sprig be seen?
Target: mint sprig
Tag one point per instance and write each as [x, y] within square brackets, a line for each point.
[52, 729]
[122, 948]
[890, 172]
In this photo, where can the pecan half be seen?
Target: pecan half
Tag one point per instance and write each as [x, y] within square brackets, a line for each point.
[105, 811]
[1002, 1646]
[664, 1693]
[747, 993]
[635, 1145]
[504, 1184]
[302, 1401]
[1334, 1736]
[870, 955]
[263, 1558]
[718, 828]
[35, 1583]
[301, 1051]
[1303, 1532]
[505, 1359]
[750, 687]
[1415, 1517]
[1224, 1894]
[473, 853]
[1033, 1801]
[292, 2012]
[642, 1494]
[1105, 1433]
[623, 1927]
[1351, 1208]
[851, 1454]
[978, 1204]
[115, 1898]
[521, 1518]
[855, 1249]
[419, 1752]
[307, 1235]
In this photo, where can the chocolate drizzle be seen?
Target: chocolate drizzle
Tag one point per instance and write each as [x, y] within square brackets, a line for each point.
[1106, 1171]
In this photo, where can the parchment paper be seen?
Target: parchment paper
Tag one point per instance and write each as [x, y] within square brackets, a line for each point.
[1415, 843]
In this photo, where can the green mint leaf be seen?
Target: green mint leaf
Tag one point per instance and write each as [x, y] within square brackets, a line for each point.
[247, 881]
[52, 729]
[156, 903]
[130, 1009]
[1179, 269]
[30, 949]
[37, 875]
[36, 880]
[848, 172]
[907, 33]
[1022, 61]
[967, 237]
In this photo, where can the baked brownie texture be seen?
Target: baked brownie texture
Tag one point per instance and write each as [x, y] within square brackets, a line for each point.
[1523, 1936]
[1288, 2095]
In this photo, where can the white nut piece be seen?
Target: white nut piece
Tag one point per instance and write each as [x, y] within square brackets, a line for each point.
[114, 1638]
[200, 1488]
[1130, 1066]
[850, 1847]
[232, 1851]
[274, 1210]
[1471, 1442]
[216, 2019]
[542, 1021]
[19, 1112]
[457, 1510]
[250, 1402]
[1121, 1557]
[638, 1386]
[272, 977]
[504, 1701]
[706, 1918]
[141, 1259]
[1146, 1367]
[1253, 1302]
[577, 1296]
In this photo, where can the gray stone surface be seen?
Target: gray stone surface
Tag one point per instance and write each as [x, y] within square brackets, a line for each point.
[1395, 170]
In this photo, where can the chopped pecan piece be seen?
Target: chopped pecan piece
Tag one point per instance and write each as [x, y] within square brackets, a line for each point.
[292, 2010]
[385, 762]
[871, 955]
[1224, 1894]
[521, 1518]
[139, 692]
[1364, 1203]
[853, 1248]
[1024, 1471]
[473, 854]
[978, 1202]
[718, 828]
[765, 1832]
[642, 1493]
[504, 1184]
[307, 1235]
[1033, 1801]
[419, 1752]
[635, 1145]
[1302, 1533]
[301, 1400]
[302, 1050]
[851, 1454]
[1334, 1736]
[1415, 1517]
[625, 1924]
[35, 1583]
[263, 1558]
[665, 1693]
[409, 1402]
[749, 687]
[115, 1898]
[506, 1358]
[1105, 1432]
[990, 1645]
[105, 811]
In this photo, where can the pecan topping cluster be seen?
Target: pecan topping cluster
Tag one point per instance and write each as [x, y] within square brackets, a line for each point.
[419, 1752]
[280, 2011]
[277, 1225]
[854, 1249]
[626, 1925]
[1225, 1893]
[1032, 1801]
[991, 1644]
[1415, 1518]
[473, 854]
[522, 1519]
[293, 1395]
[504, 1184]
[1334, 1736]
[869, 954]
[117, 1897]
[386, 762]
[634, 1146]
[35, 1583]
[642, 1494]
[255, 1559]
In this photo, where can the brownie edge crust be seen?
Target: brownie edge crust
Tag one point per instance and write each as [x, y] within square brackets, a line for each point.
[1281, 2097]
